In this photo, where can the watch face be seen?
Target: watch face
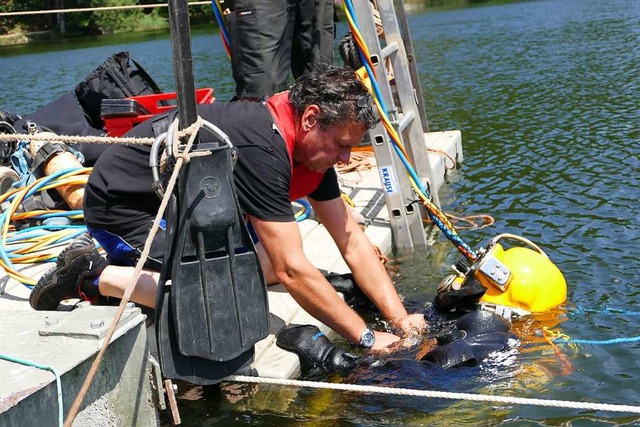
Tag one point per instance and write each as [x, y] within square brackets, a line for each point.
[367, 338]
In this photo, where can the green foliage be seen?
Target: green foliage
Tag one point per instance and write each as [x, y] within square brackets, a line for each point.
[201, 14]
[113, 21]
[5, 23]
[31, 22]
[110, 21]
[99, 22]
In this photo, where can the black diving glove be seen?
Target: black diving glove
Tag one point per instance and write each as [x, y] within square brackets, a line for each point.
[470, 340]
[353, 295]
[315, 350]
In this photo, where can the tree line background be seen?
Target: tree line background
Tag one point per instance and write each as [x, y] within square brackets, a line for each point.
[90, 23]
[107, 22]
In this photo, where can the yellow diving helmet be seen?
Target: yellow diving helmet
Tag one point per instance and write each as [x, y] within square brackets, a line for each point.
[520, 277]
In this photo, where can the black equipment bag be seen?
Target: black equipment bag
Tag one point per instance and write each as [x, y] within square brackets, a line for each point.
[77, 112]
[113, 79]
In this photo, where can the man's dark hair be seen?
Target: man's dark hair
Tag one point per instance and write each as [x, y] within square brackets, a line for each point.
[338, 93]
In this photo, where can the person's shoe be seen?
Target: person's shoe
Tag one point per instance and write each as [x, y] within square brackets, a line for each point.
[78, 265]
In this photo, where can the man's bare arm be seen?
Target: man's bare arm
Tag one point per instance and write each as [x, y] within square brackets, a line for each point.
[368, 272]
[283, 245]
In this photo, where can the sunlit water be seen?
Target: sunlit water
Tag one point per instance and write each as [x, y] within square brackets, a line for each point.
[546, 96]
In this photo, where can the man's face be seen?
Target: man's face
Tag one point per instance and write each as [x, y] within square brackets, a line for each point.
[319, 149]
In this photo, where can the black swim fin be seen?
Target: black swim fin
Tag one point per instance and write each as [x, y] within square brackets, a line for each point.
[215, 309]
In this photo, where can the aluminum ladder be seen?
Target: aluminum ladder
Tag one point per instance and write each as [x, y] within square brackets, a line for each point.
[405, 109]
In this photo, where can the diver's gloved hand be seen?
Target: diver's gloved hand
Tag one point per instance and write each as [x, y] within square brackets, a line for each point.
[346, 284]
[8, 117]
[315, 350]
[469, 340]
[341, 361]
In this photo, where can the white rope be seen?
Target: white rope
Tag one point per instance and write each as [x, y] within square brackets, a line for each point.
[438, 394]
[294, 383]
[69, 139]
[95, 9]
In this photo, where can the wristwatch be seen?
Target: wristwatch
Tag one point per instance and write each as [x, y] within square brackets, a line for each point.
[367, 338]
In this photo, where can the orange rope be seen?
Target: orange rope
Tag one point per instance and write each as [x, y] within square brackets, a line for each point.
[447, 155]
[567, 368]
[487, 221]
[358, 161]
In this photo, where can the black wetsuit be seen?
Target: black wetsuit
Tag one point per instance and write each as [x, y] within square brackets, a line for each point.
[469, 339]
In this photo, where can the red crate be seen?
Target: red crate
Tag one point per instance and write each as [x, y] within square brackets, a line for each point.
[121, 124]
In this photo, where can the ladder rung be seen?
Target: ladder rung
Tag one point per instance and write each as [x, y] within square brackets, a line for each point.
[389, 49]
[406, 120]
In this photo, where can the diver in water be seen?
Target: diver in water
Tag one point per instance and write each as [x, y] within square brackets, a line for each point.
[469, 319]
[464, 336]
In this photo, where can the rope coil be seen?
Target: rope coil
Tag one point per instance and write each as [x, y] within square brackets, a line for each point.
[29, 245]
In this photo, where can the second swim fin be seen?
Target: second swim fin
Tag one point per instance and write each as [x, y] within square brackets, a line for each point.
[215, 309]
[219, 296]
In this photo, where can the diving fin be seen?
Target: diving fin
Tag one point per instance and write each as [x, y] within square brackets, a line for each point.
[216, 307]
[177, 366]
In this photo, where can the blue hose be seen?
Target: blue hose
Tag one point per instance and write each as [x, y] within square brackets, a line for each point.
[599, 342]
[307, 210]
[220, 20]
[33, 231]
[605, 311]
[46, 368]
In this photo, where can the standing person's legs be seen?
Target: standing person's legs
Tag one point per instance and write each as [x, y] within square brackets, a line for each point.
[260, 33]
[313, 35]
[325, 30]
[303, 40]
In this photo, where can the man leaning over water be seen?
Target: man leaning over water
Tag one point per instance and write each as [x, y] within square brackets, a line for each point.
[287, 147]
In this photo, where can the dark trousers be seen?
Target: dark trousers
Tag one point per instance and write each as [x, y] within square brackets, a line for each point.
[270, 38]
[124, 246]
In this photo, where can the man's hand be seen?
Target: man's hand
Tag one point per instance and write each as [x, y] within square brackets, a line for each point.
[384, 340]
[396, 343]
[410, 324]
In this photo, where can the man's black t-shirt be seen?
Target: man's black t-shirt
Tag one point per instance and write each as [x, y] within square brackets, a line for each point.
[120, 196]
